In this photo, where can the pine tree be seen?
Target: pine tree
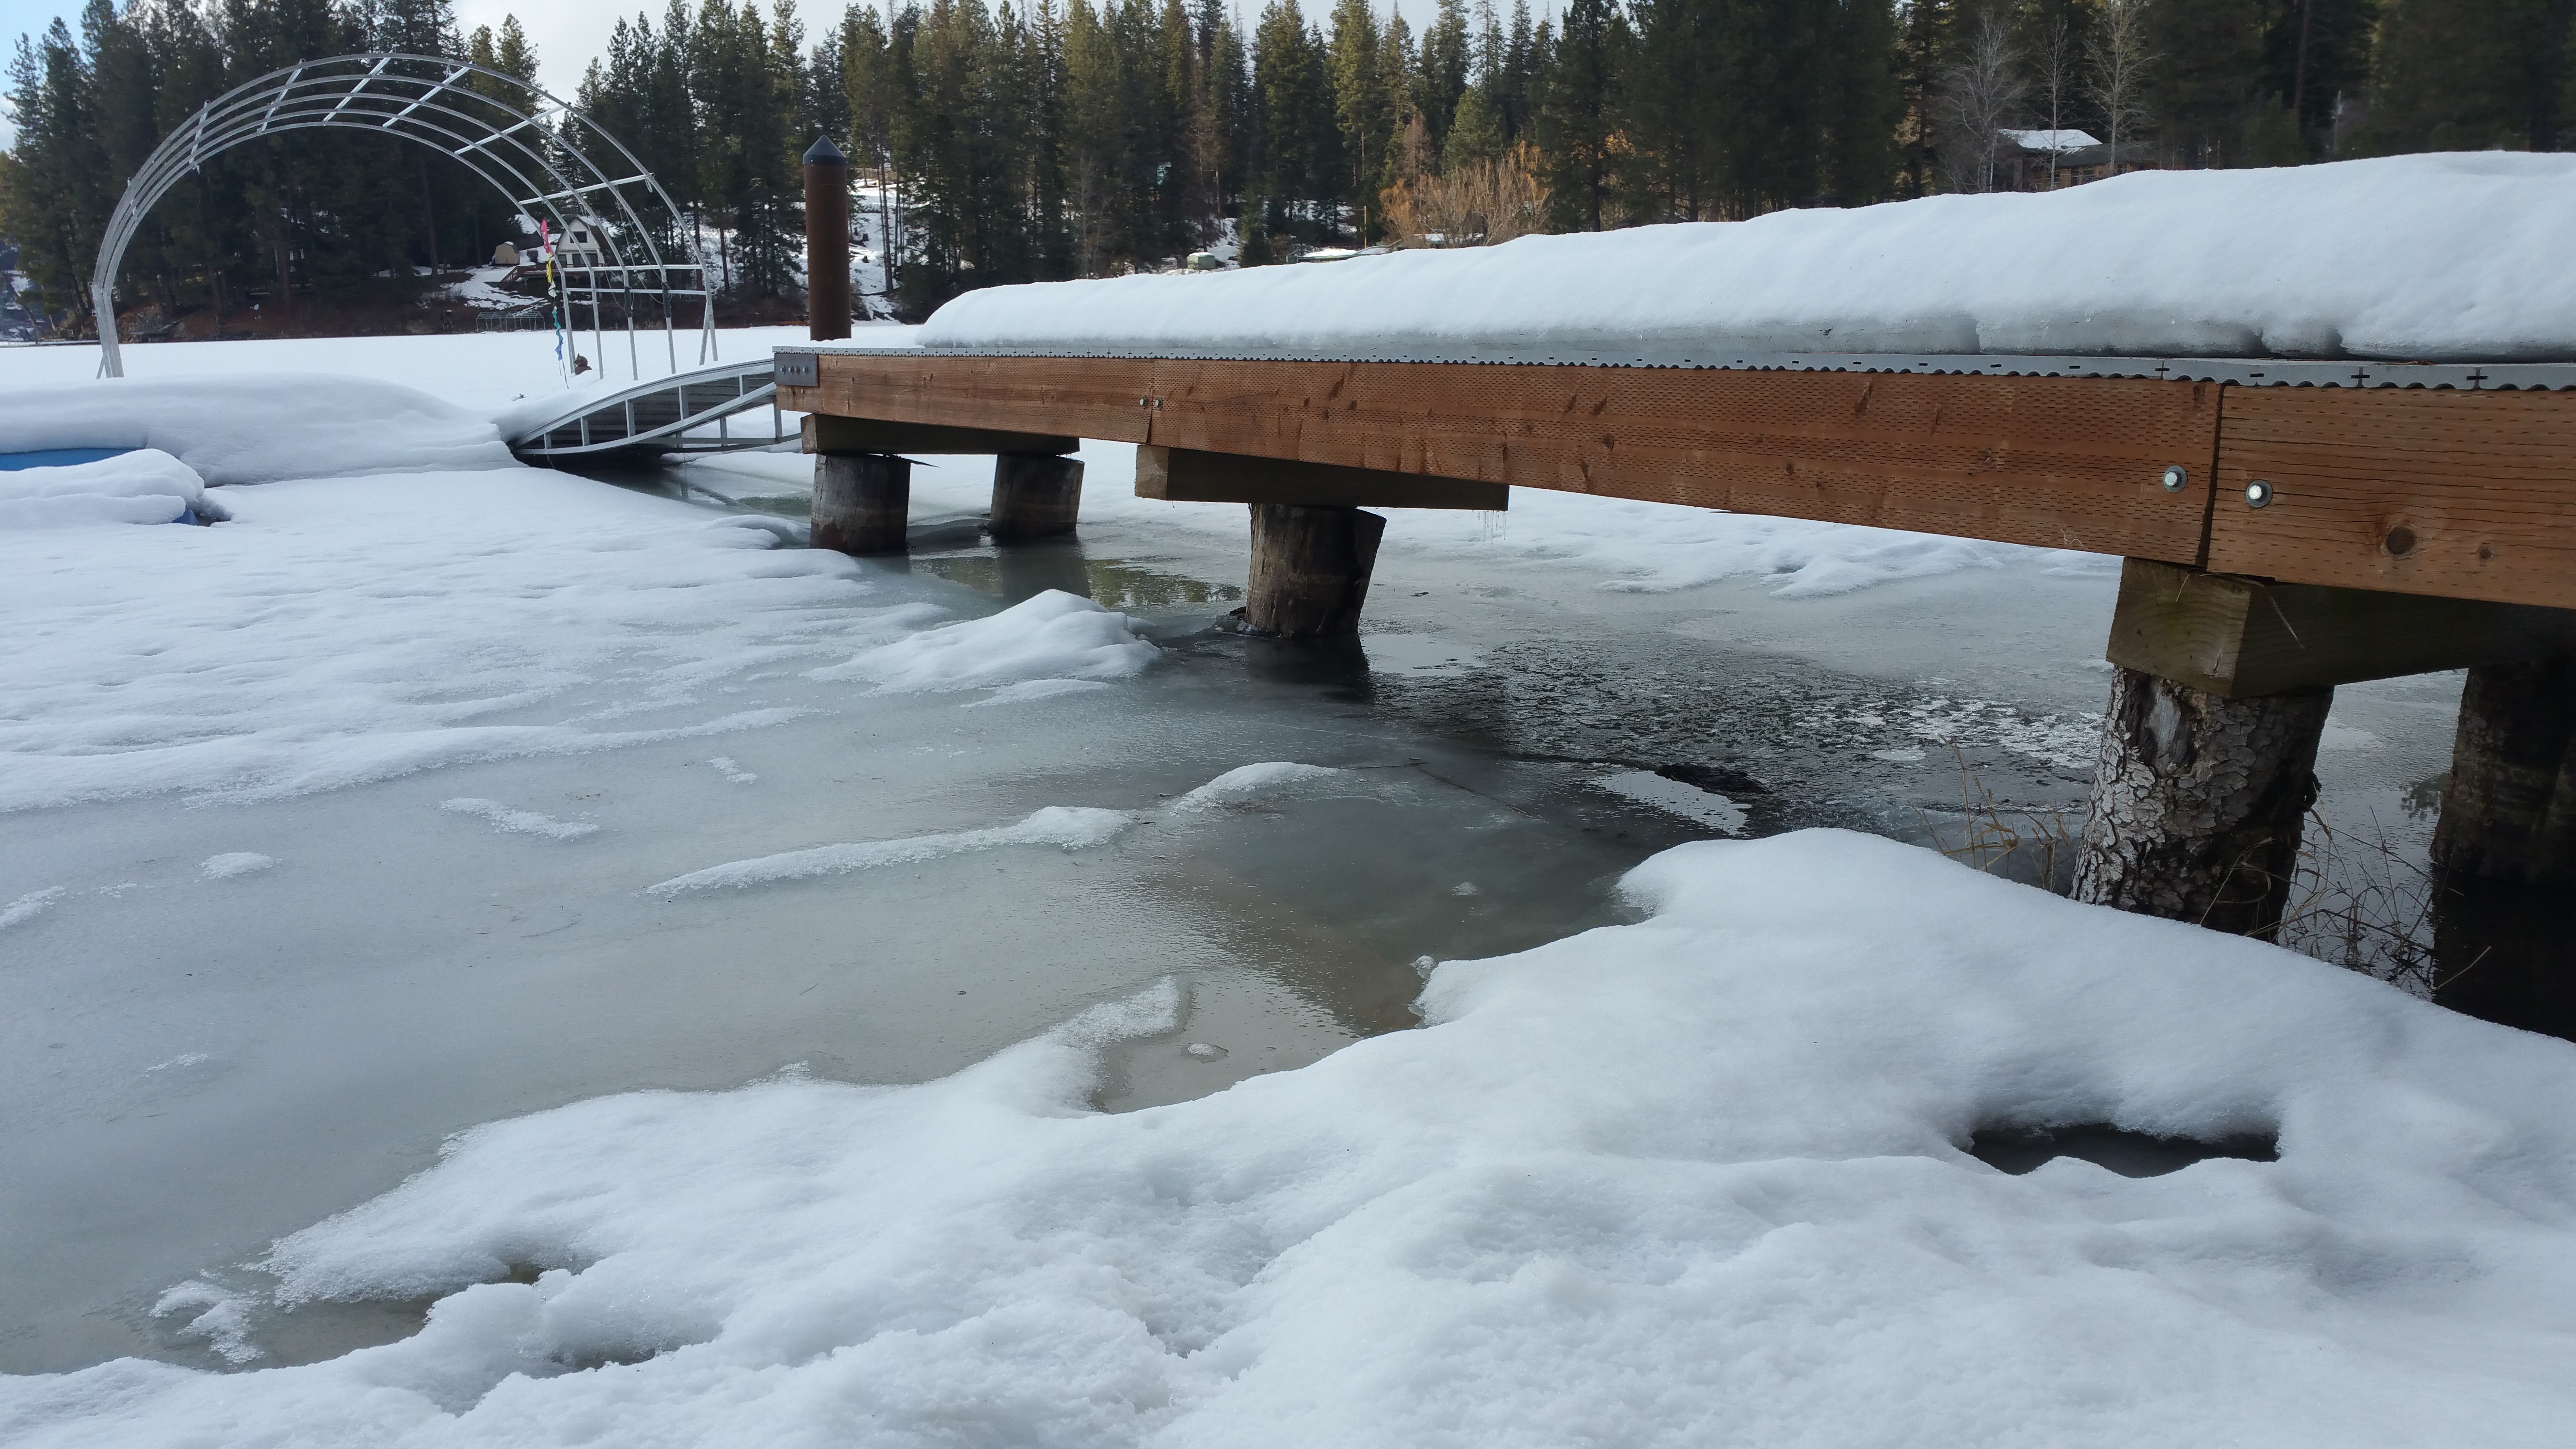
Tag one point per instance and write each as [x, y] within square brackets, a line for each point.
[2462, 75]
[1442, 70]
[1578, 115]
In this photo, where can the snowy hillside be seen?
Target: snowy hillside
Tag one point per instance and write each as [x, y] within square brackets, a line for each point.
[2436, 257]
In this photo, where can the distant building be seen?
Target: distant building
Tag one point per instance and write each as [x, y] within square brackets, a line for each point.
[583, 245]
[2079, 158]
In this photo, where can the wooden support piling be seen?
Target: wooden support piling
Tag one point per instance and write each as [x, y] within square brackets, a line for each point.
[1310, 569]
[1035, 495]
[861, 502]
[2509, 811]
[2198, 801]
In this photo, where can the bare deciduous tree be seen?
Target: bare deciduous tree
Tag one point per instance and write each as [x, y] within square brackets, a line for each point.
[1979, 94]
[2057, 82]
[2120, 60]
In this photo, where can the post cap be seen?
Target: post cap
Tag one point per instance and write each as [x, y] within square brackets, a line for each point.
[824, 153]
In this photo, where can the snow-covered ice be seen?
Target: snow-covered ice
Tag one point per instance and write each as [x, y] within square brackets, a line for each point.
[29, 906]
[1676, 797]
[519, 822]
[1698, 1177]
[2452, 256]
[1070, 827]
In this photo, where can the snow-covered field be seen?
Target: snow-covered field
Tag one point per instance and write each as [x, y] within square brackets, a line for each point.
[2409, 257]
[770, 927]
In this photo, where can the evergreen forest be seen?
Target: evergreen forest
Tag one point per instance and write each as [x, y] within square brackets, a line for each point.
[1002, 141]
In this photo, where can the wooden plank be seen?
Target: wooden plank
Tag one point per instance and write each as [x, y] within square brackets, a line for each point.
[1185, 475]
[1082, 397]
[2058, 462]
[824, 433]
[2239, 637]
[2463, 494]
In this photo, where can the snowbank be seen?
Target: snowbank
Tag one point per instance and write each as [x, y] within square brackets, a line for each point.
[2442, 257]
[147, 486]
[1695, 1180]
[258, 427]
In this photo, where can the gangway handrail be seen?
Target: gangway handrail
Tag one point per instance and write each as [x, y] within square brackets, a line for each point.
[533, 441]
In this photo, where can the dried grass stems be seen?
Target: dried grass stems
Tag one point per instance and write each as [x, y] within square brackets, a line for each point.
[2358, 900]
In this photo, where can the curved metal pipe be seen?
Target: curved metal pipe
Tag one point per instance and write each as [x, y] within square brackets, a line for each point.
[540, 150]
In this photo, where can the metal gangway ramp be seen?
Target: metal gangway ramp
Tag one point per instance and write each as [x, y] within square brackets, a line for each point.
[664, 415]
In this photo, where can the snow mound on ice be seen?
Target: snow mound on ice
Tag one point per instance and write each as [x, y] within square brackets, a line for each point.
[1248, 783]
[518, 822]
[29, 906]
[1697, 1178]
[147, 486]
[1070, 826]
[234, 864]
[1050, 636]
[259, 427]
[2455, 256]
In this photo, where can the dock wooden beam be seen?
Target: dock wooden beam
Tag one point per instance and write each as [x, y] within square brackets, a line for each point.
[1186, 475]
[2058, 462]
[2238, 637]
[826, 434]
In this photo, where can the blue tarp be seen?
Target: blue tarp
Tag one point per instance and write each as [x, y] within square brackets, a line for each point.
[56, 458]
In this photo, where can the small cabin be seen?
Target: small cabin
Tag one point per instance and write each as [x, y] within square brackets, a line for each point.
[2045, 159]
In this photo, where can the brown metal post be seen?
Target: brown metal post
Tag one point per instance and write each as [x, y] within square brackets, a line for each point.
[827, 242]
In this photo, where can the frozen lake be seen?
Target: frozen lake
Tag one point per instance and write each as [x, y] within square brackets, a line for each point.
[201, 1065]
[248, 998]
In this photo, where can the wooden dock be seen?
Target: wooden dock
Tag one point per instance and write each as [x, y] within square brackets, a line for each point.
[2456, 482]
[2288, 526]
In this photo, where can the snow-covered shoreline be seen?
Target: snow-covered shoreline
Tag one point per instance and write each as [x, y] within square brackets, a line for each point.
[1699, 1176]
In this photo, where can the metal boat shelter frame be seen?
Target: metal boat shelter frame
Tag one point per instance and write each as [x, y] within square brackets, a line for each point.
[547, 158]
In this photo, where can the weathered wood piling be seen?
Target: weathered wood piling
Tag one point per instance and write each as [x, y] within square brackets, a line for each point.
[2198, 801]
[1310, 570]
[2509, 809]
[1035, 495]
[862, 502]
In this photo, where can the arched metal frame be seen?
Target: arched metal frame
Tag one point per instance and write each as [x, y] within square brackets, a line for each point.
[543, 155]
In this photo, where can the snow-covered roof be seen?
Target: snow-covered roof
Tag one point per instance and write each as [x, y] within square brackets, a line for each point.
[2456, 257]
[2049, 140]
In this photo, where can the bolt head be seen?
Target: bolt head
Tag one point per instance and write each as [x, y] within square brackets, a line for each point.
[2176, 478]
[2257, 493]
